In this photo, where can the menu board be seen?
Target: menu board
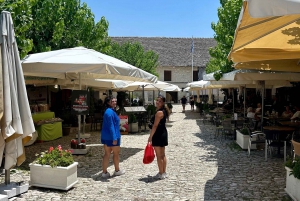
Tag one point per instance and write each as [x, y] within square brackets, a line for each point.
[80, 102]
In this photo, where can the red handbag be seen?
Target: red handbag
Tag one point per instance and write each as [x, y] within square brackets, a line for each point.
[149, 154]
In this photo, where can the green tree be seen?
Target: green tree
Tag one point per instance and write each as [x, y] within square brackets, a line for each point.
[63, 24]
[134, 54]
[21, 14]
[224, 29]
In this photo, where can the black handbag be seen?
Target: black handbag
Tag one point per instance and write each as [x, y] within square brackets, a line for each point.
[151, 122]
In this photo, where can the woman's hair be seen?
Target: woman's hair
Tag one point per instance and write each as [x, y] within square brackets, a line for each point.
[164, 105]
[107, 100]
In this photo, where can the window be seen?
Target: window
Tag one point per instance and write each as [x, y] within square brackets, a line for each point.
[195, 76]
[167, 75]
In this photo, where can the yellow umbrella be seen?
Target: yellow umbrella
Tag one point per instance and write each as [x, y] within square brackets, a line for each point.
[267, 30]
[291, 65]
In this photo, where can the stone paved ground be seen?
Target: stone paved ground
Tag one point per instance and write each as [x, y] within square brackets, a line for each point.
[199, 168]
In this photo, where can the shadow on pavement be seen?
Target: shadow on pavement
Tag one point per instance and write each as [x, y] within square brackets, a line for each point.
[89, 164]
[238, 177]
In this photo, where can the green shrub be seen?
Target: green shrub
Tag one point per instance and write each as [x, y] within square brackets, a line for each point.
[151, 108]
[244, 131]
[295, 166]
[131, 118]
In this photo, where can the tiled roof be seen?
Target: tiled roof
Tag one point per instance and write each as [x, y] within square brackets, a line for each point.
[175, 51]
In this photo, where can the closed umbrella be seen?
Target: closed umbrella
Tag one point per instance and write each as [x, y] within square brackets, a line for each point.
[16, 123]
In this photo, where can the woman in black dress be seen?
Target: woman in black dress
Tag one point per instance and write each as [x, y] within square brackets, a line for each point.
[159, 136]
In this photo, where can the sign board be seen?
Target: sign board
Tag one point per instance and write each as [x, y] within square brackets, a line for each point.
[123, 124]
[80, 102]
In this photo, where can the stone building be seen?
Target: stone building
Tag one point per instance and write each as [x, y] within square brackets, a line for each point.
[177, 64]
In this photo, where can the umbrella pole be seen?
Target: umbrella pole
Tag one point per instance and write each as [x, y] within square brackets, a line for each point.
[7, 177]
[79, 116]
[143, 95]
[153, 96]
[233, 100]
[262, 103]
[245, 101]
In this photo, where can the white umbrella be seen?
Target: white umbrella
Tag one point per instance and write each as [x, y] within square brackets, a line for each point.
[16, 124]
[73, 63]
[95, 83]
[138, 86]
[172, 88]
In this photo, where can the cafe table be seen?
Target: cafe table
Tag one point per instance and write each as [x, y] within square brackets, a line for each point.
[289, 123]
[278, 130]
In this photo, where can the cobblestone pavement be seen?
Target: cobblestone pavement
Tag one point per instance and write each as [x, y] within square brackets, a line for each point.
[199, 168]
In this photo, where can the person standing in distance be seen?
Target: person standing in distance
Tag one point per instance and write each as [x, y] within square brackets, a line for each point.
[111, 137]
[159, 136]
[192, 102]
[183, 103]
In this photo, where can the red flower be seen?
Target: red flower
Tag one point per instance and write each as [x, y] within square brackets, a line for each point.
[51, 149]
[59, 147]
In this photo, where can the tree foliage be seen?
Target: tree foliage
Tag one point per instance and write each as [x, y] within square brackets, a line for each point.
[224, 29]
[63, 24]
[21, 14]
[44, 25]
[134, 54]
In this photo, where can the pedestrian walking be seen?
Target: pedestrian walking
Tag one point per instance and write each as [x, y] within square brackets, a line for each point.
[111, 137]
[183, 103]
[159, 136]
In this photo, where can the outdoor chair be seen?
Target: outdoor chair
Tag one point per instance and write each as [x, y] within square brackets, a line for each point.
[296, 144]
[228, 129]
[255, 137]
[96, 119]
[273, 142]
[219, 127]
[207, 118]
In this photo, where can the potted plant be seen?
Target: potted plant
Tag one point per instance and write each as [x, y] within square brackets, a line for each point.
[242, 139]
[293, 178]
[54, 168]
[151, 109]
[199, 106]
[170, 106]
[133, 125]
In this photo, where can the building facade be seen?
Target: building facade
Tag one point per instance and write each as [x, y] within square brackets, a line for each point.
[179, 63]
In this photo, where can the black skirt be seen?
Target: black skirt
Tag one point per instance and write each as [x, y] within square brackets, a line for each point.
[160, 138]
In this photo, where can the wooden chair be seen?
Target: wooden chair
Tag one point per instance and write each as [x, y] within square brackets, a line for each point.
[228, 129]
[96, 119]
[219, 127]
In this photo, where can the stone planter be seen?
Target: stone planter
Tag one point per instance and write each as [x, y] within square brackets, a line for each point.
[292, 185]
[62, 178]
[243, 140]
[133, 127]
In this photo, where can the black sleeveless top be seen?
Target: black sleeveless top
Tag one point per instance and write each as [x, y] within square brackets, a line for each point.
[160, 137]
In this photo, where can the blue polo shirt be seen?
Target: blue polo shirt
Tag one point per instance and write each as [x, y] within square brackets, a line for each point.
[111, 125]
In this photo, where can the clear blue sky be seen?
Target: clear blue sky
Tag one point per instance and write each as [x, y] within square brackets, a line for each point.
[157, 18]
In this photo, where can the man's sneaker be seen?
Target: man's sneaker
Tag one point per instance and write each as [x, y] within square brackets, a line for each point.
[105, 175]
[118, 173]
[159, 176]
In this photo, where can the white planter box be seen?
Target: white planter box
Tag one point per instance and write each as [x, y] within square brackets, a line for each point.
[133, 127]
[243, 140]
[292, 185]
[62, 178]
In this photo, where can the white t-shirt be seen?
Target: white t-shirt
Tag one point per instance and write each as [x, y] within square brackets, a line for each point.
[297, 114]
[250, 115]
